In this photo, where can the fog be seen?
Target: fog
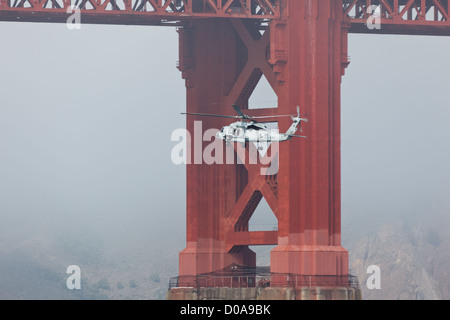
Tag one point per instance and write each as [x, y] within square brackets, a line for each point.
[395, 127]
[85, 123]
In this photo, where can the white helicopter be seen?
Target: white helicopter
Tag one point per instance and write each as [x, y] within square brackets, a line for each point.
[248, 129]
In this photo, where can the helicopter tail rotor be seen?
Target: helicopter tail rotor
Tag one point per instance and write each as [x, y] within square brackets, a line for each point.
[299, 115]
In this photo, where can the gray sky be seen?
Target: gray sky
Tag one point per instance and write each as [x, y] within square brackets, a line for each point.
[86, 117]
[85, 123]
[395, 125]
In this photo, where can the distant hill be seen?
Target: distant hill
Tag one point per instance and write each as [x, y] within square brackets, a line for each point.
[34, 267]
[413, 254]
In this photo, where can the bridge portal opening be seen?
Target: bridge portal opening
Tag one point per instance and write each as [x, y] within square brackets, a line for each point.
[263, 96]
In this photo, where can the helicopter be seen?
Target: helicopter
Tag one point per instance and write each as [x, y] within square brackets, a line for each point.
[249, 129]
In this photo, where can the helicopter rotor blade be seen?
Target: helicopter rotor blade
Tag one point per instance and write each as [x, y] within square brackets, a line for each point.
[301, 114]
[208, 115]
[239, 112]
[267, 117]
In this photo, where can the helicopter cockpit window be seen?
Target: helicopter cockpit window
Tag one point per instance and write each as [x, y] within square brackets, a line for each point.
[236, 132]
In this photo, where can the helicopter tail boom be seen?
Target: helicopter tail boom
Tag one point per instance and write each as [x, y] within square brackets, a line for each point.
[293, 128]
[297, 120]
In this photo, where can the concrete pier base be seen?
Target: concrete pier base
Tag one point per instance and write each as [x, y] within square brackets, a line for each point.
[267, 293]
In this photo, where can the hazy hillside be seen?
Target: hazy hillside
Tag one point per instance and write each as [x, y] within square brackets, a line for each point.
[413, 254]
[34, 267]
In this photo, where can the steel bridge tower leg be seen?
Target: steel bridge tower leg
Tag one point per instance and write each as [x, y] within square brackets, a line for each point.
[211, 58]
[303, 56]
[314, 42]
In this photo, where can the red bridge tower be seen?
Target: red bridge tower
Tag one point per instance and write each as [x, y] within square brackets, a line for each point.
[226, 46]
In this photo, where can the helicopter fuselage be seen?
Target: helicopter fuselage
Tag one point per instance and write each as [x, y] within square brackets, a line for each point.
[243, 132]
[248, 129]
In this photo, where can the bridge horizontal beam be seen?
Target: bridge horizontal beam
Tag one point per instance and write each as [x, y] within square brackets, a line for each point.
[414, 17]
[135, 12]
[254, 238]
